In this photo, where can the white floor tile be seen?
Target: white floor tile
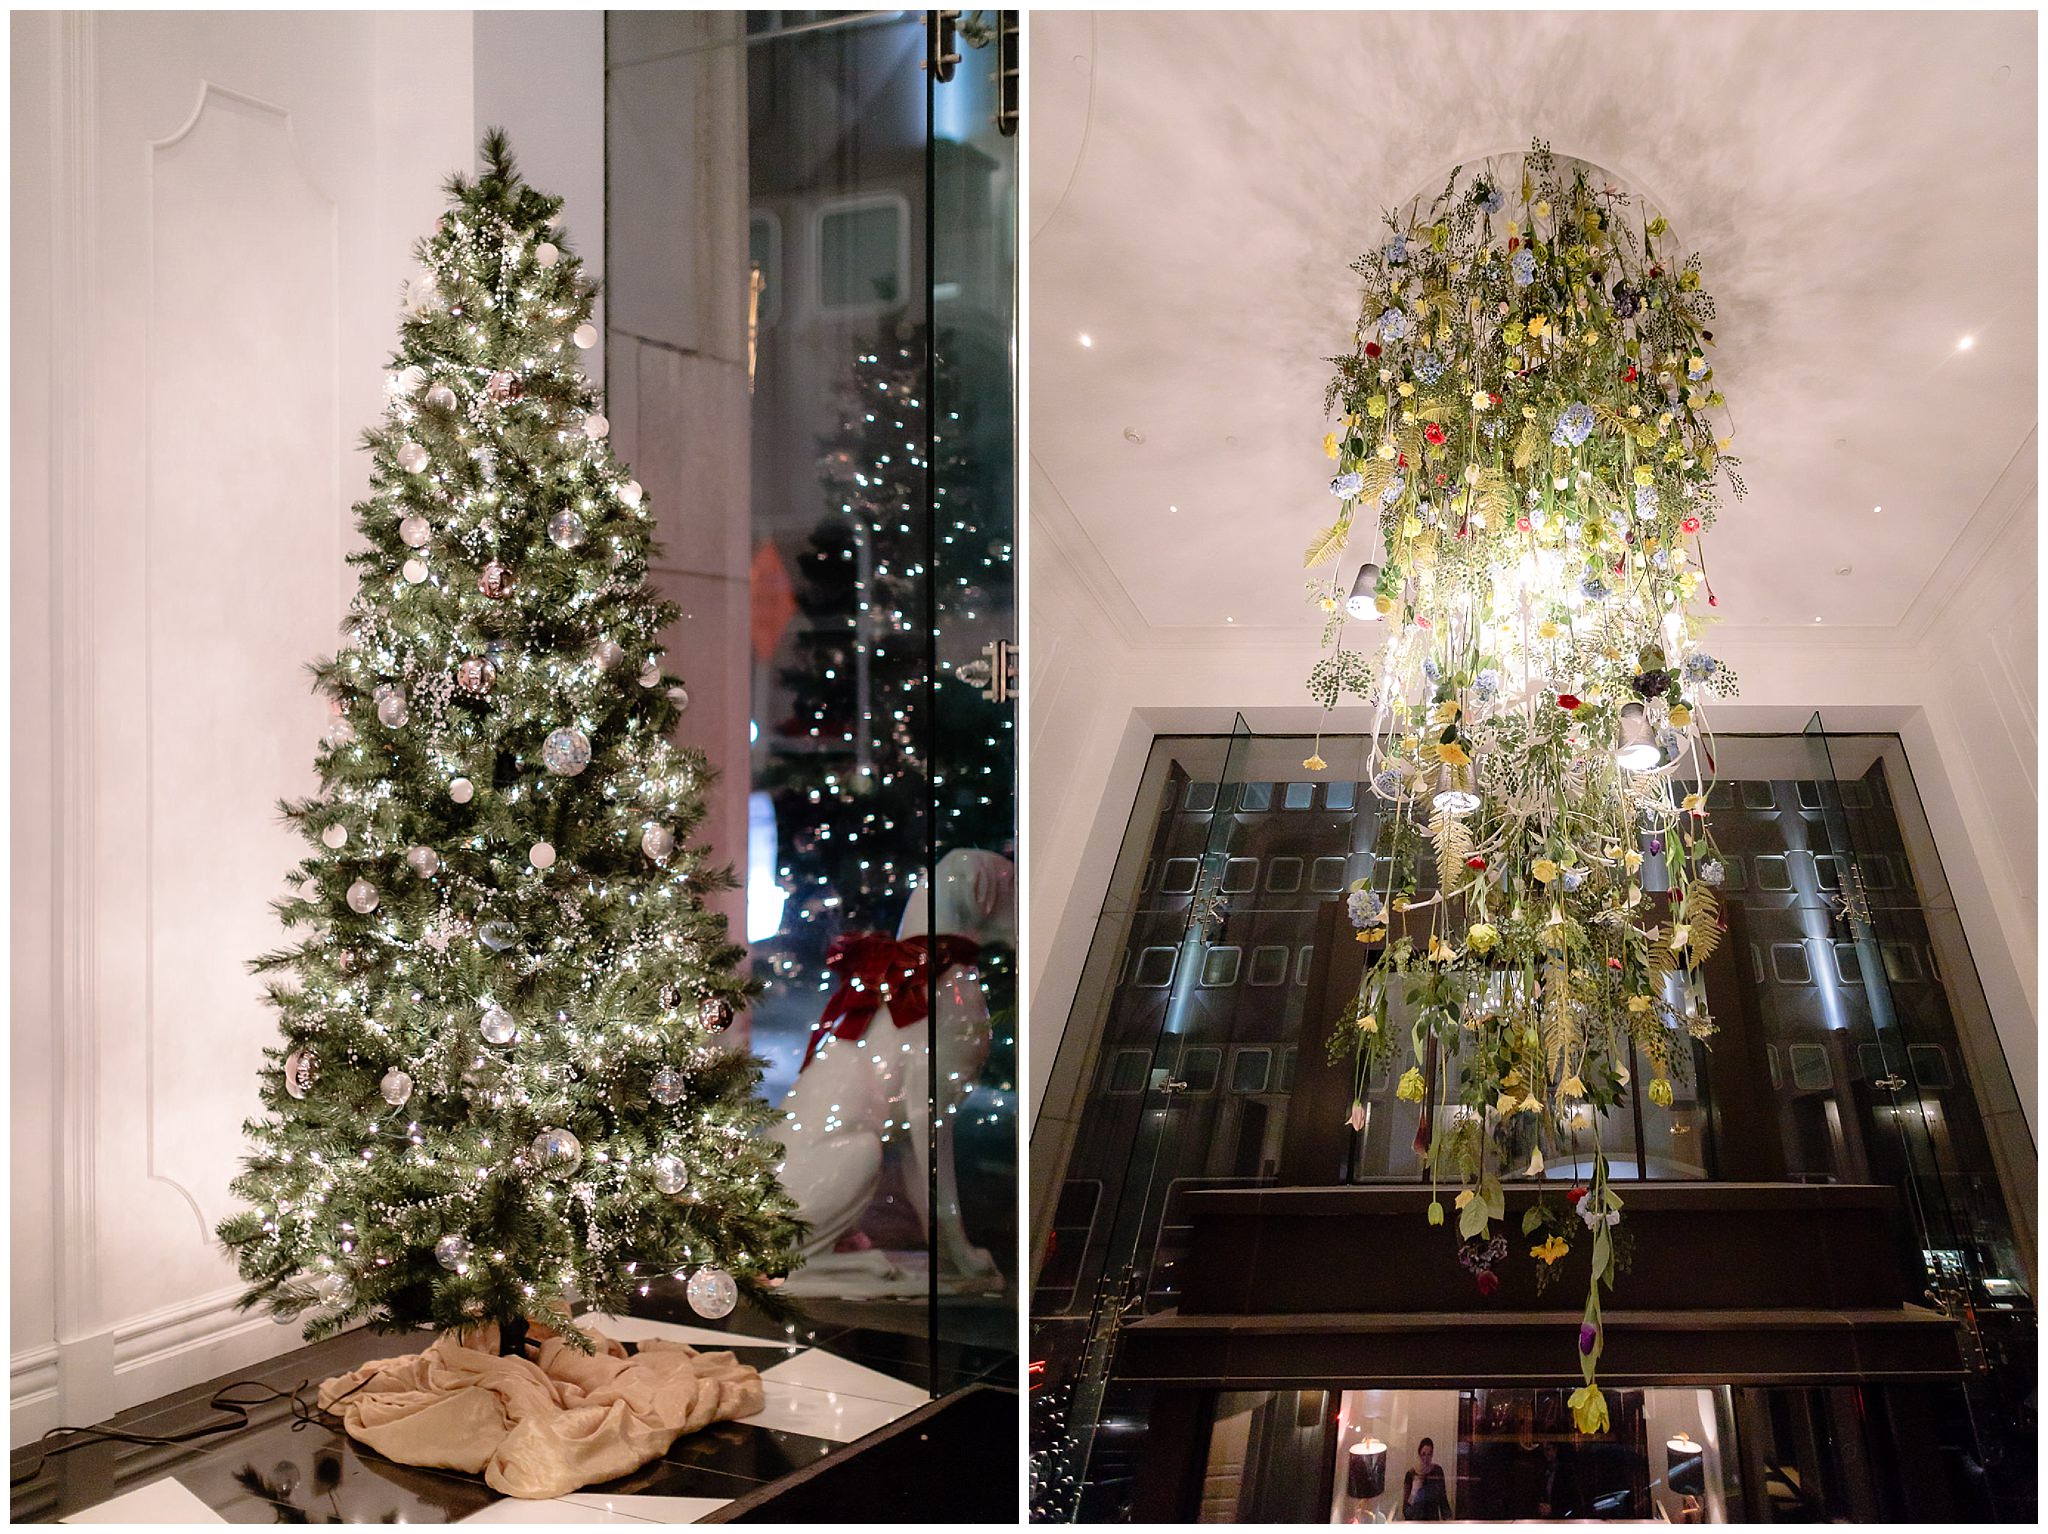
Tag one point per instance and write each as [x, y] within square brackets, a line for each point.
[556, 1510]
[635, 1329]
[165, 1501]
[826, 1414]
[820, 1370]
[651, 1509]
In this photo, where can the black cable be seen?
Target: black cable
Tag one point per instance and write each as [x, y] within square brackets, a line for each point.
[303, 1416]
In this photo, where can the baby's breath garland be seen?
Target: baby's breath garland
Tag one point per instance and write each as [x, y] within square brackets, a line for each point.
[1526, 458]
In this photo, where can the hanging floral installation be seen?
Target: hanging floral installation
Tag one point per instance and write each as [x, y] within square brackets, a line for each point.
[1526, 458]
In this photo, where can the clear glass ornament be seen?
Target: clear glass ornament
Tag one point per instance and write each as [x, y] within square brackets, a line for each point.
[566, 752]
[497, 935]
[362, 897]
[396, 1087]
[301, 1071]
[667, 1086]
[658, 842]
[475, 675]
[670, 1175]
[716, 1013]
[679, 696]
[650, 675]
[559, 1152]
[415, 531]
[596, 427]
[712, 1293]
[494, 580]
[498, 1026]
[341, 733]
[565, 530]
[335, 835]
[441, 397]
[392, 710]
[452, 1252]
[411, 457]
[630, 492]
[606, 654]
[424, 861]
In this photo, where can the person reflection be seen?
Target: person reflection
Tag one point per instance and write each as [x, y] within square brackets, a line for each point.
[1424, 1497]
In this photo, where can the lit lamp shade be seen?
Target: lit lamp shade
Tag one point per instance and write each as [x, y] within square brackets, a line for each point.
[1685, 1469]
[1364, 599]
[1365, 1473]
[1637, 751]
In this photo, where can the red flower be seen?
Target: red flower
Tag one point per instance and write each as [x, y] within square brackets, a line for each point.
[1522, 524]
[1656, 271]
[1630, 375]
[1574, 1196]
[1433, 434]
[1400, 460]
[1475, 862]
[1494, 398]
[1712, 600]
[1372, 348]
[1488, 1281]
[1612, 962]
[1690, 525]
[1566, 701]
[1514, 243]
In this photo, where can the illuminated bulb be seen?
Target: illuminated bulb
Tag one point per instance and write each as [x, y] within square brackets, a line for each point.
[1637, 751]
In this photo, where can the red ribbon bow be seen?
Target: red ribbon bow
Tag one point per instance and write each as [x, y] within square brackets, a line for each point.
[874, 968]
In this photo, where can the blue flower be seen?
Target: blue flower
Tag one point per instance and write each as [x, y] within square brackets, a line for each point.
[1697, 373]
[1344, 486]
[1626, 303]
[1492, 201]
[1387, 784]
[1397, 252]
[1669, 743]
[1574, 426]
[1699, 666]
[1661, 560]
[1365, 909]
[1572, 875]
[1432, 670]
[1524, 267]
[1393, 491]
[1486, 684]
[1593, 589]
[1646, 501]
[1393, 325]
[1429, 367]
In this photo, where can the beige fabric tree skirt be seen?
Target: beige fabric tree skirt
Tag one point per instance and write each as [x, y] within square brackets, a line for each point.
[538, 1429]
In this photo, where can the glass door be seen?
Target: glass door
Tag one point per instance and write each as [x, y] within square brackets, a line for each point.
[1083, 1440]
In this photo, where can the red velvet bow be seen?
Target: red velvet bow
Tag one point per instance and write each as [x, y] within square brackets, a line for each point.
[874, 968]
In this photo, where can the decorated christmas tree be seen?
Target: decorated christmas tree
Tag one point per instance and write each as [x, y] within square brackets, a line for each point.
[501, 1087]
[862, 777]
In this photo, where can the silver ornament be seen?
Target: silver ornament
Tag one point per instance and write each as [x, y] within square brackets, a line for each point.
[415, 531]
[424, 861]
[494, 580]
[301, 1070]
[335, 835]
[452, 1252]
[498, 1026]
[414, 571]
[716, 1013]
[545, 254]
[362, 897]
[585, 335]
[411, 457]
[596, 427]
[541, 855]
[712, 1293]
[461, 790]
[630, 492]
[658, 842]
[441, 397]
[670, 1175]
[667, 1086]
[559, 1152]
[565, 530]
[497, 935]
[406, 381]
[680, 697]
[341, 733]
[650, 675]
[475, 675]
[566, 752]
[606, 654]
[396, 1087]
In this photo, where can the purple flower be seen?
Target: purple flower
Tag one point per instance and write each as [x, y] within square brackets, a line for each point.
[1588, 1335]
[1524, 264]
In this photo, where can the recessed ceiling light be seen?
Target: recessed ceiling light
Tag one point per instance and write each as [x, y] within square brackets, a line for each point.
[1087, 339]
[1876, 509]
[1230, 620]
[1173, 508]
[1966, 343]
[1816, 620]
[1132, 434]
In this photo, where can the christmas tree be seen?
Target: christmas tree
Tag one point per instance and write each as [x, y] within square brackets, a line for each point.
[862, 782]
[500, 1086]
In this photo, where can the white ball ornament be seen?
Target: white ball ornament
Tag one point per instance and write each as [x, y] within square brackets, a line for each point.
[679, 696]
[309, 889]
[712, 1293]
[392, 709]
[670, 1175]
[362, 897]
[650, 675]
[301, 1071]
[335, 835]
[541, 856]
[415, 531]
[341, 733]
[414, 571]
[545, 254]
[423, 861]
[405, 383]
[396, 1087]
[606, 654]
[452, 1252]
[461, 790]
[585, 335]
[596, 427]
[658, 842]
[497, 1025]
[565, 530]
[630, 492]
[441, 397]
[667, 1086]
[411, 457]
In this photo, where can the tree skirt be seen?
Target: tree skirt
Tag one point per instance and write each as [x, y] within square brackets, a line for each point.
[538, 1429]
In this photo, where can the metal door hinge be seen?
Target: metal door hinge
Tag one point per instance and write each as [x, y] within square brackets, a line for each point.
[996, 675]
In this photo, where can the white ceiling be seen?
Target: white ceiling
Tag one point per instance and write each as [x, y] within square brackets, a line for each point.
[1861, 189]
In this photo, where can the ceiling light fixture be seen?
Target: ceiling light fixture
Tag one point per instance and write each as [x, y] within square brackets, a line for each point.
[1534, 480]
[1966, 343]
[1087, 339]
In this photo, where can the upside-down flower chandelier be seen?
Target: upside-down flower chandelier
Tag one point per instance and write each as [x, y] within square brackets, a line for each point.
[1526, 458]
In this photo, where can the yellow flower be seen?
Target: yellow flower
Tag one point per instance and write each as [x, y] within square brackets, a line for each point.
[1400, 902]
[1436, 1212]
[1694, 803]
[1406, 390]
[1544, 870]
[1376, 406]
[1543, 209]
[1440, 952]
[1546, 630]
[1632, 860]
[1537, 325]
[1589, 1410]
[1454, 754]
[1508, 1104]
[1412, 1089]
[1371, 934]
[1315, 764]
[1368, 1024]
[1681, 716]
[1445, 712]
[1482, 937]
[1411, 527]
[1645, 475]
[1571, 1086]
[1462, 1199]
[1660, 1092]
[1550, 1251]
[1328, 604]
[1639, 1004]
[1386, 451]
[1330, 441]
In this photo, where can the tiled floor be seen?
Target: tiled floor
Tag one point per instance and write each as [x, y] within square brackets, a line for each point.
[827, 1385]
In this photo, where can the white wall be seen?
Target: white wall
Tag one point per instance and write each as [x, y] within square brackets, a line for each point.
[212, 222]
[1956, 681]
